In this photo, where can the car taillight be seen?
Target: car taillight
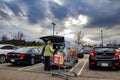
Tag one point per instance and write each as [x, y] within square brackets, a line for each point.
[8, 54]
[92, 54]
[116, 54]
[21, 55]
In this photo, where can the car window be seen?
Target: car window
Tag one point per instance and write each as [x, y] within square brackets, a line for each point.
[22, 50]
[30, 51]
[35, 50]
[104, 49]
[14, 47]
[86, 48]
[6, 47]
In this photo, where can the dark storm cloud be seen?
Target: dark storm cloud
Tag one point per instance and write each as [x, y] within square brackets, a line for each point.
[105, 16]
[58, 11]
[14, 7]
[105, 21]
[4, 15]
[102, 12]
[35, 14]
[41, 13]
[75, 7]
[36, 10]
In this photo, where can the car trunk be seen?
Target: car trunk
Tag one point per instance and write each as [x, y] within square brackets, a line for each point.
[104, 55]
[104, 52]
[57, 41]
[14, 55]
[53, 39]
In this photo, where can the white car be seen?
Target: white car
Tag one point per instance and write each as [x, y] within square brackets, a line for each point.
[4, 49]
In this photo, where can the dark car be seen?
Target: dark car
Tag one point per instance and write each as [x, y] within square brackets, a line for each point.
[86, 50]
[104, 57]
[80, 51]
[64, 52]
[25, 55]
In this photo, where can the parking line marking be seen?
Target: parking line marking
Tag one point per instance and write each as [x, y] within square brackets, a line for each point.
[75, 66]
[21, 68]
[82, 68]
[33, 67]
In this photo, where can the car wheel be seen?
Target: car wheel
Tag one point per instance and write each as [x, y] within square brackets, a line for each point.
[14, 63]
[32, 61]
[76, 61]
[2, 59]
[91, 66]
[117, 68]
[82, 56]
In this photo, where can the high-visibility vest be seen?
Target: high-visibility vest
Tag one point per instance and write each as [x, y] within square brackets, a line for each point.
[48, 51]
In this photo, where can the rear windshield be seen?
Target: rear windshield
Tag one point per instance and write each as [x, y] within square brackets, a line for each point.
[22, 50]
[104, 49]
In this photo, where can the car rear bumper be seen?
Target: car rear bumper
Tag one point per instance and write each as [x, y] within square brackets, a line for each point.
[80, 55]
[21, 61]
[104, 62]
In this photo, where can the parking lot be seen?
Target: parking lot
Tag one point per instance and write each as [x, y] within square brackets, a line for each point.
[36, 72]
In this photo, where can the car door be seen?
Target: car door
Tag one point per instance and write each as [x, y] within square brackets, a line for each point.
[37, 54]
[6, 49]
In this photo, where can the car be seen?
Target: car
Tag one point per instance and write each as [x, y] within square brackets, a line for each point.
[64, 54]
[4, 49]
[104, 57]
[119, 50]
[25, 55]
[86, 50]
[80, 52]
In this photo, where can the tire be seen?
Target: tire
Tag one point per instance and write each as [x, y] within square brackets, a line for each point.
[76, 61]
[2, 59]
[117, 68]
[82, 56]
[14, 63]
[32, 61]
[91, 66]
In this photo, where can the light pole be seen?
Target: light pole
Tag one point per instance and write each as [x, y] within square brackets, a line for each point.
[102, 37]
[53, 28]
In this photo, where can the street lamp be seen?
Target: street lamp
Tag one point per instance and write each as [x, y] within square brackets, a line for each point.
[53, 28]
[102, 37]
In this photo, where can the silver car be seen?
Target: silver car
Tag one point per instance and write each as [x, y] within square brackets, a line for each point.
[4, 49]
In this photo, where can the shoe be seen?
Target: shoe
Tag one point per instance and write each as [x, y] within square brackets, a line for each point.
[48, 69]
[45, 69]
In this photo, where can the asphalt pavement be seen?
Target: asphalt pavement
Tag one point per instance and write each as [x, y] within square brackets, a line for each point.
[36, 72]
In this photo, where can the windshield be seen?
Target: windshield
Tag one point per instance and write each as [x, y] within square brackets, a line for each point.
[22, 50]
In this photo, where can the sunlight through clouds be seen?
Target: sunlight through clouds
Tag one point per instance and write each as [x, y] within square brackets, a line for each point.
[36, 16]
[58, 2]
[81, 20]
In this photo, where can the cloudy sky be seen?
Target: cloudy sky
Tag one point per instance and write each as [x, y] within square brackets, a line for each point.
[34, 18]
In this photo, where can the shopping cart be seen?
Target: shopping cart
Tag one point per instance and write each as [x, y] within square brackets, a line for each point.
[59, 61]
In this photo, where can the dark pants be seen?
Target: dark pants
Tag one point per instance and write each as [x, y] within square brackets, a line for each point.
[47, 63]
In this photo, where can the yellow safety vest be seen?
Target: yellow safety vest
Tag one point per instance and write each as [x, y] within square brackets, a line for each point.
[48, 52]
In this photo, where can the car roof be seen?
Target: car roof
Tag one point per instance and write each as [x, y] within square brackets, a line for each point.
[105, 47]
[30, 47]
[1, 45]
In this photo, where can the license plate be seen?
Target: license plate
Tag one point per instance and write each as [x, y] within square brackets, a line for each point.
[12, 60]
[104, 64]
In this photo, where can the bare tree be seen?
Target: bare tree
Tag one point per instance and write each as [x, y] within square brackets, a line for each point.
[79, 37]
[18, 36]
[4, 38]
